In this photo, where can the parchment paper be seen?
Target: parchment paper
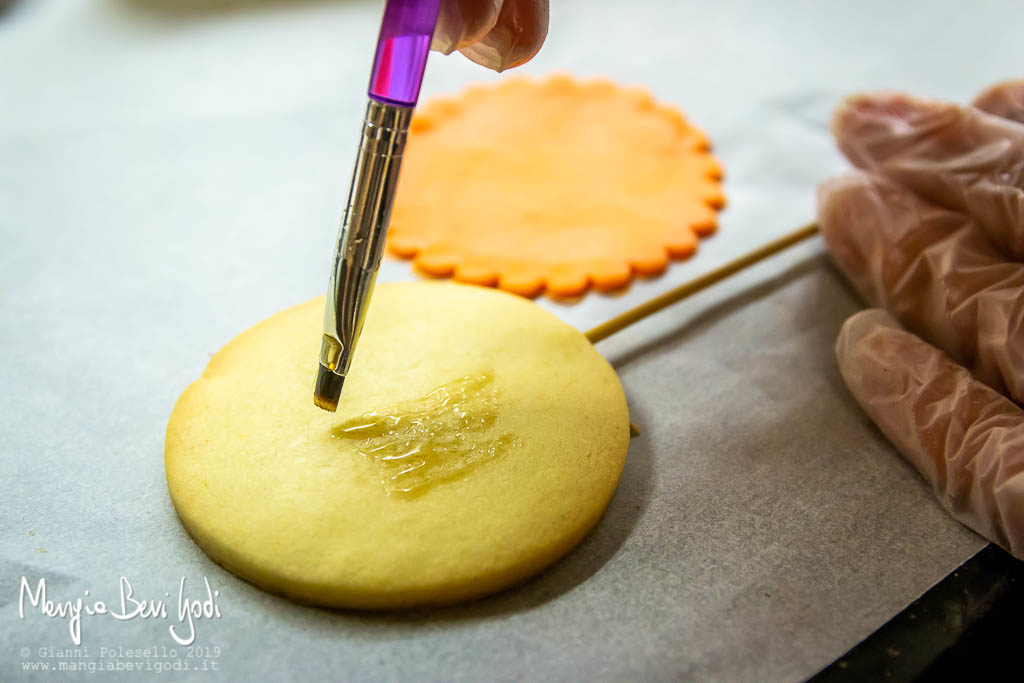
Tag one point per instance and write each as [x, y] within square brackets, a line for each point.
[172, 173]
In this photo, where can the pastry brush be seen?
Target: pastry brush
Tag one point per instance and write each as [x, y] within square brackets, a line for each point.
[402, 47]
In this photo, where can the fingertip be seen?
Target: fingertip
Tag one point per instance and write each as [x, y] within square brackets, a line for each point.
[484, 55]
[836, 196]
[872, 128]
[516, 36]
[861, 219]
[850, 346]
[530, 28]
[882, 106]
[461, 23]
[857, 203]
[1005, 100]
[443, 43]
[861, 324]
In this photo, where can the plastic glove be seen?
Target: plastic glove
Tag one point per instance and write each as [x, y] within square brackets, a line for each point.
[932, 230]
[498, 34]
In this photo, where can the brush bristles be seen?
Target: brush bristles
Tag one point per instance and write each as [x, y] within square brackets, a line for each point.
[327, 390]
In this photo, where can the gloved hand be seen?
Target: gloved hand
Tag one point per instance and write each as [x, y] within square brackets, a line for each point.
[498, 34]
[931, 229]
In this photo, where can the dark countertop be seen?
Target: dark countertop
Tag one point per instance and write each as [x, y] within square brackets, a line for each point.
[966, 625]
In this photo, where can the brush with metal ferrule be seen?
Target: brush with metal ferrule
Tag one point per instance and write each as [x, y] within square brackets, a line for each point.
[402, 48]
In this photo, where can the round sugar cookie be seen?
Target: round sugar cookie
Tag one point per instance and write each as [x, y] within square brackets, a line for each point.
[553, 185]
[478, 438]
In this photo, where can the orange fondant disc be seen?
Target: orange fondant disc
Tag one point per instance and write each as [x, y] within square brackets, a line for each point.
[556, 185]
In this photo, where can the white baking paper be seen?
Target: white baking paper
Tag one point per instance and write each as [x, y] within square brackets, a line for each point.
[172, 173]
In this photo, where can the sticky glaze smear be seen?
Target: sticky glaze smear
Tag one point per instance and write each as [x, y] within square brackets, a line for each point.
[438, 437]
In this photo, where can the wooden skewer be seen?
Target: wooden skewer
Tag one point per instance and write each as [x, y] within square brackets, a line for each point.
[684, 290]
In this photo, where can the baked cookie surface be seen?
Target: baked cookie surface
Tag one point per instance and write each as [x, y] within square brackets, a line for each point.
[477, 440]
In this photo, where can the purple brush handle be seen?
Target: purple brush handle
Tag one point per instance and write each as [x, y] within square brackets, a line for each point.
[402, 49]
